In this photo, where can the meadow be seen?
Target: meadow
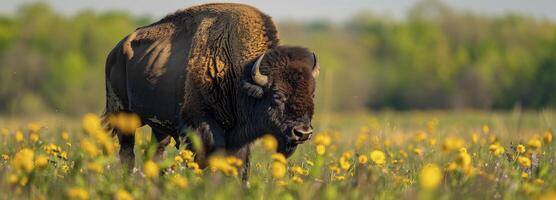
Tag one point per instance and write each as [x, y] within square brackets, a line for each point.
[381, 155]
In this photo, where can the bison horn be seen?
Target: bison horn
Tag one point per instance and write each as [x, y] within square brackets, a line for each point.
[316, 68]
[256, 75]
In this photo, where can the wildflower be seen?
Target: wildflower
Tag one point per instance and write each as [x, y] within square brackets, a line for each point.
[452, 143]
[278, 157]
[278, 169]
[520, 148]
[91, 123]
[217, 163]
[322, 139]
[178, 159]
[127, 123]
[320, 149]
[496, 149]
[12, 179]
[547, 137]
[378, 157]
[19, 136]
[95, 167]
[78, 193]
[339, 178]
[34, 127]
[34, 137]
[430, 176]
[234, 161]
[534, 143]
[310, 163]
[269, 143]
[344, 163]
[5, 132]
[90, 148]
[52, 149]
[179, 181]
[23, 160]
[334, 169]
[524, 175]
[186, 155]
[150, 169]
[282, 183]
[524, 161]
[486, 129]
[419, 151]
[363, 159]
[420, 136]
[538, 182]
[65, 168]
[121, 194]
[474, 137]
[65, 136]
[299, 170]
[41, 161]
[463, 159]
[297, 180]
[5, 157]
[452, 166]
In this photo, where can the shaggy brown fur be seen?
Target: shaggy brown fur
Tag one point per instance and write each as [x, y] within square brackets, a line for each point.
[192, 70]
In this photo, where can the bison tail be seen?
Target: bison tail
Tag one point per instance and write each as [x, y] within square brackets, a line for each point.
[113, 106]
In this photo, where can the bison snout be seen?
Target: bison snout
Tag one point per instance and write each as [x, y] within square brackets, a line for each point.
[301, 133]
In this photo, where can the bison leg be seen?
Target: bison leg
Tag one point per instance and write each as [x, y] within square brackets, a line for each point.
[127, 143]
[244, 154]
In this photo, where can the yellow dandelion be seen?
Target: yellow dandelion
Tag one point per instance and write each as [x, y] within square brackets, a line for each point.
[23, 160]
[297, 180]
[179, 181]
[78, 193]
[13, 179]
[496, 149]
[344, 163]
[520, 148]
[378, 157]
[151, 169]
[339, 178]
[524, 161]
[19, 136]
[547, 137]
[320, 149]
[65, 135]
[452, 166]
[127, 123]
[41, 161]
[187, 155]
[524, 175]
[95, 167]
[269, 143]
[34, 137]
[363, 159]
[278, 157]
[463, 159]
[282, 183]
[122, 194]
[420, 136]
[419, 151]
[90, 148]
[534, 143]
[474, 137]
[65, 168]
[430, 176]
[5, 157]
[178, 159]
[452, 143]
[278, 169]
[322, 139]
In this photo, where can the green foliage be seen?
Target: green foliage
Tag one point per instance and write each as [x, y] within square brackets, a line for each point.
[436, 58]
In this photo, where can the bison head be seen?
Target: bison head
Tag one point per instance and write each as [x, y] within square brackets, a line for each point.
[283, 84]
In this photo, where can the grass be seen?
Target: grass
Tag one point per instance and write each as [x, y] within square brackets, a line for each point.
[383, 155]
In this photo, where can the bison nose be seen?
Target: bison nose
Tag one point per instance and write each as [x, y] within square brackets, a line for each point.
[302, 132]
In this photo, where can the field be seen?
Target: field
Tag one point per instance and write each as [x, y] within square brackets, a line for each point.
[383, 155]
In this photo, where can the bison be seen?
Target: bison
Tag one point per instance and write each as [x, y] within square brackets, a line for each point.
[215, 69]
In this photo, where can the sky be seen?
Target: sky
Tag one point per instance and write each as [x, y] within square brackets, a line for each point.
[334, 10]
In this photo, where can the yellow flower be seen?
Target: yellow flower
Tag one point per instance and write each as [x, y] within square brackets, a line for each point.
[234, 161]
[269, 143]
[496, 149]
[278, 169]
[463, 159]
[178, 159]
[520, 148]
[5, 157]
[419, 151]
[344, 163]
[451, 166]
[524, 161]
[378, 157]
[90, 148]
[474, 137]
[363, 159]
[339, 178]
[222, 164]
[95, 167]
[547, 137]
[34, 127]
[320, 149]
[23, 160]
[186, 155]
[278, 157]
[420, 136]
[5, 132]
[12, 179]
[179, 181]
[78, 193]
[452, 143]
[127, 123]
[524, 175]
[65, 136]
[282, 183]
[430, 176]
[151, 169]
[322, 139]
[299, 170]
[297, 180]
[121, 194]
[34, 137]
[534, 143]
[19, 136]
[65, 168]
[41, 161]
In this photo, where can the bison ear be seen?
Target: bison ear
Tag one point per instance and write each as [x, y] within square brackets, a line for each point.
[252, 90]
[316, 67]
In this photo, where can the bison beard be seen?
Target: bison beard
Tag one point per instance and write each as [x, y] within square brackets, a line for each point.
[217, 70]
